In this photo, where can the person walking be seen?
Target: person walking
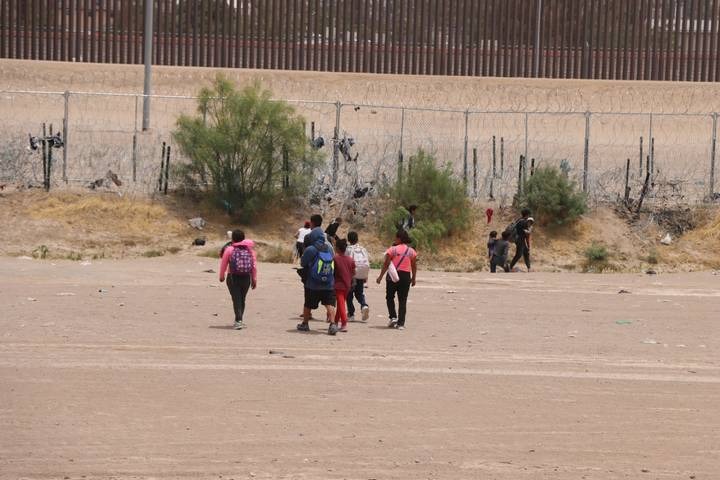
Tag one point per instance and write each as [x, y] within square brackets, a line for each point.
[362, 271]
[344, 273]
[522, 230]
[401, 269]
[319, 265]
[331, 230]
[238, 268]
[300, 239]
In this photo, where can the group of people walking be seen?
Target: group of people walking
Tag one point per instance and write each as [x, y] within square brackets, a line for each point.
[334, 271]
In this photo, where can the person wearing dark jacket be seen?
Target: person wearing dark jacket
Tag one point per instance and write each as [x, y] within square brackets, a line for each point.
[317, 260]
[523, 229]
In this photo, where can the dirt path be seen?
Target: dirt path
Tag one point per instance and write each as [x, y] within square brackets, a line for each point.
[128, 369]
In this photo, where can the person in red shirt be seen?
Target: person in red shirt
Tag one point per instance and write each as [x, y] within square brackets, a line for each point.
[403, 259]
[344, 273]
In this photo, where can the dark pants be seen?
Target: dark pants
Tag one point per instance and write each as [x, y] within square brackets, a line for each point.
[498, 262]
[238, 286]
[359, 292]
[401, 288]
[521, 250]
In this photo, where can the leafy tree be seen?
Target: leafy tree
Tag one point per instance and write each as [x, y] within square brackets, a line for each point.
[552, 197]
[443, 209]
[244, 148]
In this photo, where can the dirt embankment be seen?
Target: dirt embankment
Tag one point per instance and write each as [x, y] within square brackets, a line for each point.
[86, 226]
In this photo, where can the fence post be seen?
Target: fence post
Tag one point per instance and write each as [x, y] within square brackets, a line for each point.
[475, 165]
[502, 156]
[586, 152]
[641, 158]
[400, 152]
[465, 151]
[336, 142]
[66, 97]
[494, 157]
[526, 135]
[651, 165]
[713, 153]
[134, 149]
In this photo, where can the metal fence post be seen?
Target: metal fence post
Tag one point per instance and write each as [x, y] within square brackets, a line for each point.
[400, 152]
[586, 152]
[336, 142]
[66, 124]
[526, 135]
[651, 140]
[134, 148]
[465, 152]
[713, 153]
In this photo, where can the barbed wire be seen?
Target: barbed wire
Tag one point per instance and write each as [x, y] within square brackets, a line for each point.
[102, 132]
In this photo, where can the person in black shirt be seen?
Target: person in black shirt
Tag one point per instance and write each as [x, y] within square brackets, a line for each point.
[331, 230]
[500, 253]
[523, 229]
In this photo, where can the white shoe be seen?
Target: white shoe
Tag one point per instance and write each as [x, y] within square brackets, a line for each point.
[351, 318]
[392, 323]
[401, 327]
[365, 313]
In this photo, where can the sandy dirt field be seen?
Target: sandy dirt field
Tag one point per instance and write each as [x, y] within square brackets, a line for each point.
[128, 369]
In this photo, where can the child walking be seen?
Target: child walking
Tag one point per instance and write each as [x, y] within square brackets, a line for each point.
[344, 273]
[239, 266]
[401, 266]
[362, 271]
[499, 257]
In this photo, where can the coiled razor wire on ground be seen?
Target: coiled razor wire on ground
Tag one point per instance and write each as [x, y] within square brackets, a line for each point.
[103, 132]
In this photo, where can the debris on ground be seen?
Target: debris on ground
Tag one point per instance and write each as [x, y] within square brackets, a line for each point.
[650, 341]
[199, 242]
[275, 352]
[107, 181]
[624, 291]
[651, 272]
[666, 240]
[65, 294]
[197, 223]
[209, 270]
[623, 322]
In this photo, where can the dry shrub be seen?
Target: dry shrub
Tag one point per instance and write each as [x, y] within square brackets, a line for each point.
[106, 213]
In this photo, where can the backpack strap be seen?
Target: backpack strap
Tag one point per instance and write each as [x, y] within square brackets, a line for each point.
[402, 257]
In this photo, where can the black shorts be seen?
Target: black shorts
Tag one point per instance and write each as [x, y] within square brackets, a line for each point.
[313, 298]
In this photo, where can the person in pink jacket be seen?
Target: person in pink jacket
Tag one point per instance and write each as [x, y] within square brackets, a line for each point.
[239, 265]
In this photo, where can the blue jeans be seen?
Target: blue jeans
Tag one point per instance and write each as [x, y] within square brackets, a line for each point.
[358, 291]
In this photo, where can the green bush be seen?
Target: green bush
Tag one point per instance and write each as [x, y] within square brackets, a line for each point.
[443, 209]
[242, 146]
[597, 253]
[552, 197]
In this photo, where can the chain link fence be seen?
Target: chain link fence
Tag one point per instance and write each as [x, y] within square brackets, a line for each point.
[368, 145]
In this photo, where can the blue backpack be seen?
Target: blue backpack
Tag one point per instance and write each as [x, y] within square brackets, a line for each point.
[322, 272]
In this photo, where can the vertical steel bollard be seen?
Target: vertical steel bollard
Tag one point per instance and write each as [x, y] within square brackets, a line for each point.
[66, 124]
[586, 152]
[641, 158]
[526, 136]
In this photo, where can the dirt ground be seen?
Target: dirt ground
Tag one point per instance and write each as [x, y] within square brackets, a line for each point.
[128, 369]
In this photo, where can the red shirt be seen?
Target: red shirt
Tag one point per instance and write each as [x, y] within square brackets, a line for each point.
[344, 272]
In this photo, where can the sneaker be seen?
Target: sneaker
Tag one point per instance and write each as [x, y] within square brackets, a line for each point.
[332, 329]
[392, 323]
[365, 313]
[351, 318]
[239, 325]
[343, 329]
[303, 327]
[401, 327]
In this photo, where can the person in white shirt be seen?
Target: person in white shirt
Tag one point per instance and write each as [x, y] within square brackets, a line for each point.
[362, 271]
[300, 239]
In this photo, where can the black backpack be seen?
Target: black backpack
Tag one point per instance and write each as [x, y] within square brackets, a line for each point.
[512, 231]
